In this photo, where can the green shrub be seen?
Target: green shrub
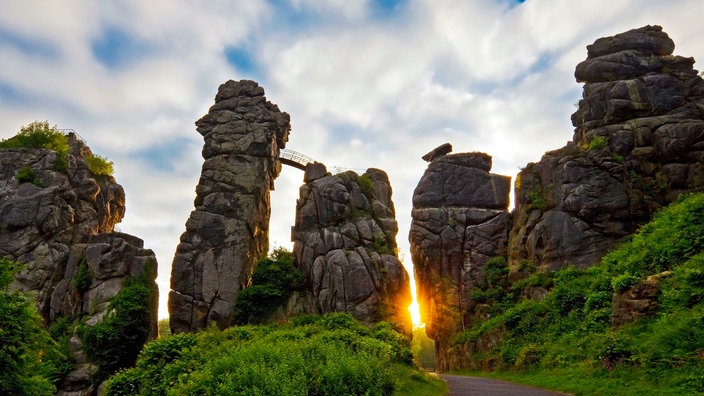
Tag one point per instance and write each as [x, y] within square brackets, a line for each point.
[332, 355]
[83, 278]
[367, 185]
[115, 341]
[99, 166]
[27, 175]
[29, 359]
[623, 281]
[272, 282]
[597, 143]
[41, 135]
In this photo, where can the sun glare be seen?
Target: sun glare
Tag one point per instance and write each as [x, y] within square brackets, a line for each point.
[414, 308]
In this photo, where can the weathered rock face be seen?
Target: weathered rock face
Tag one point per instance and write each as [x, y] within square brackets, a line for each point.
[460, 221]
[345, 245]
[229, 229]
[64, 221]
[638, 144]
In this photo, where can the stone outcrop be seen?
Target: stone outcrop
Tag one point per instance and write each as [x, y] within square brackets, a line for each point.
[638, 144]
[345, 245]
[59, 224]
[639, 300]
[460, 221]
[229, 229]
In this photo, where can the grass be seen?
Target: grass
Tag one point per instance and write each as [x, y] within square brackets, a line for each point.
[566, 341]
[309, 355]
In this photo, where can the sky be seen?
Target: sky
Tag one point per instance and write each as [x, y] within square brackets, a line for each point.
[368, 83]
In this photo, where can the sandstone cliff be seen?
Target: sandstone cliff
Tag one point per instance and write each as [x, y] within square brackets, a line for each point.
[345, 246]
[61, 225]
[638, 144]
[460, 221]
[229, 229]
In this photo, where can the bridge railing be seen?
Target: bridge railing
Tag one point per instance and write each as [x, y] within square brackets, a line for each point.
[295, 156]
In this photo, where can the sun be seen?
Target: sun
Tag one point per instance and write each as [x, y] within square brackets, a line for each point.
[414, 309]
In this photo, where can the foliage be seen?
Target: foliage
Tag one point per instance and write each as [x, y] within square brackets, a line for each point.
[329, 355]
[83, 278]
[115, 341]
[41, 135]
[569, 331]
[99, 166]
[536, 199]
[272, 282]
[367, 185]
[29, 359]
[423, 348]
[597, 143]
[27, 175]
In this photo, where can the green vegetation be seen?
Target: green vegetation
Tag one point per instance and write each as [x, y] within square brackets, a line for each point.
[115, 341]
[309, 355]
[272, 282]
[566, 341]
[30, 361]
[99, 166]
[597, 143]
[83, 278]
[27, 175]
[41, 135]
[367, 185]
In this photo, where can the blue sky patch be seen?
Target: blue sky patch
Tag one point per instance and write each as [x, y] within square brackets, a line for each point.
[116, 48]
[29, 46]
[386, 8]
[242, 60]
[161, 157]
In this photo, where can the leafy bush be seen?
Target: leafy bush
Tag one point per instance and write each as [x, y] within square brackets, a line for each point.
[115, 341]
[99, 166]
[27, 175]
[83, 278]
[329, 355]
[29, 359]
[272, 282]
[367, 185]
[598, 142]
[41, 135]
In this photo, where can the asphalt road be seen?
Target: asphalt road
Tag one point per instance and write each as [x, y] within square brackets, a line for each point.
[460, 385]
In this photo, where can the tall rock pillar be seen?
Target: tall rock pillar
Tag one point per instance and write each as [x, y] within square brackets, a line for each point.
[460, 221]
[229, 229]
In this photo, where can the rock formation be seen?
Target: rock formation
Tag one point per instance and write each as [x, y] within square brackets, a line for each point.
[345, 245]
[638, 144]
[61, 225]
[460, 221]
[229, 229]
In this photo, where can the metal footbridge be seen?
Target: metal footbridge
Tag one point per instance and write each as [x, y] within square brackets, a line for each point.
[299, 161]
[294, 159]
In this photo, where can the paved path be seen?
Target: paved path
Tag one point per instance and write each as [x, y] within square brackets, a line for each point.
[460, 385]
